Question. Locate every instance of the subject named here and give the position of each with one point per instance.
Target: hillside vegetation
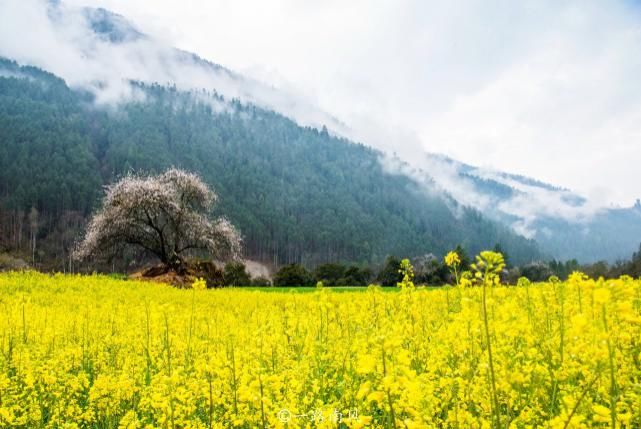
(297, 194)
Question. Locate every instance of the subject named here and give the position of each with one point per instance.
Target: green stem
(389, 395)
(613, 385)
(211, 401)
(578, 402)
(495, 400)
(147, 348)
(262, 405)
(167, 345)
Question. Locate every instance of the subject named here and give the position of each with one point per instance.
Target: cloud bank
(60, 39)
(543, 88)
(517, 201)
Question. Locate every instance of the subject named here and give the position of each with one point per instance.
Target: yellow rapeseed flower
(199, 284)
(93, 351)
(601, 296)
(452, 259)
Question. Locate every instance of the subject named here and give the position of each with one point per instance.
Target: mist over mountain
(297, 194)
(101, 52)
(104, 99)
(565, 224)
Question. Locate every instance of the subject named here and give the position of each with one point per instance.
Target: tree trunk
(177, 264)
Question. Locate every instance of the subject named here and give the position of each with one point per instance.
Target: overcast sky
(550, 90)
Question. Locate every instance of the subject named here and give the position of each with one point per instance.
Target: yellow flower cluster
(407, 271)
(96, 352)
(199, 284)
(452, 259)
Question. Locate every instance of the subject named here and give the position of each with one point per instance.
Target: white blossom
(167, 215)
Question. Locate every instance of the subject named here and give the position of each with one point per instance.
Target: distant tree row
(540, 271)
(428, 270)
(433, 271)
(332, 274)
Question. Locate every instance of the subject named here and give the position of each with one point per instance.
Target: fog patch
(528, 202)
(8, 74)
(97, 51)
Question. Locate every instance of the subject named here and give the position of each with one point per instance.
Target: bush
(512, 276)
(428, 270)
(261, 282)
(330, 274)
(597, 269)
(355, 276)
(214, 276)
(536, 271)
(390, 275)
(293, 275)
(236, 274)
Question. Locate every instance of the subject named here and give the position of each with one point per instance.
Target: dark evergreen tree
(236, 274)
(330, 274)
(464, 257)
(506, 257)
(390, 274)
(293, 275)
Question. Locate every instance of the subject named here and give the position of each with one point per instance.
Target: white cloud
(527, 204)
(59, 40)
(541, 88)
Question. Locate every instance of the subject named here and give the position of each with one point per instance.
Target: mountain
(119, 100)
(112, 27)
(99, 51)
(297, 193)
(565, 224)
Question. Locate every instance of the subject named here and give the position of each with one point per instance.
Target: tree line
(430, 270)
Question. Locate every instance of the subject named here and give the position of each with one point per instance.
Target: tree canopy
(166, 215)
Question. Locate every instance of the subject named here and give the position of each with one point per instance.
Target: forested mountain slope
(565, 224)
(297, 194)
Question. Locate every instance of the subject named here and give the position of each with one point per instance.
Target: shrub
(536, 271)
(293, 275)
(428, 270)
(214, 276)
(261, 282)
(330, 274)
(389, 275)
(355, 276)
(236, 274)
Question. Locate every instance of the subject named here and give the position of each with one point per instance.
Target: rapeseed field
(96, 352)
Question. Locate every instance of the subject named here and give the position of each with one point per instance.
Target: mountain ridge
(568, 227)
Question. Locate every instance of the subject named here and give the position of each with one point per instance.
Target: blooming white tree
(167, 215)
